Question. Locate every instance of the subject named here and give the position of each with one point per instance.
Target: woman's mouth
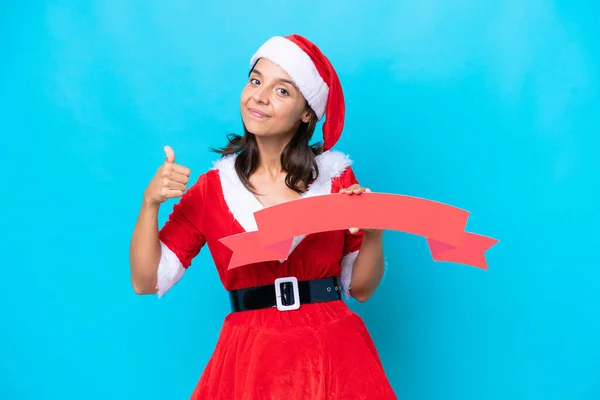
(257, 113)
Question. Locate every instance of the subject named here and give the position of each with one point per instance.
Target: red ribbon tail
(470, 252)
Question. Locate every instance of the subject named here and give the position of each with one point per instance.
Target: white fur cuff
(170, 270)
(346, 275)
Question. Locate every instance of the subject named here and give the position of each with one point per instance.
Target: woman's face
(271, 104)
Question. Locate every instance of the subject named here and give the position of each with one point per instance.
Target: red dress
(321, 350)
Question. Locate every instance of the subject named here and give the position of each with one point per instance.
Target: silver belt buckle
(281, 299)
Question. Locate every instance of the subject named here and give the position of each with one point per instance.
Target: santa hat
(314, 75)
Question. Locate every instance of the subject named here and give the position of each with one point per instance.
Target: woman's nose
(261, 95)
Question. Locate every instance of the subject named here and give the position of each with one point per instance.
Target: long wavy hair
(298, 158)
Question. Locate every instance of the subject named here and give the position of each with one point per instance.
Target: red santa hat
(314, 75)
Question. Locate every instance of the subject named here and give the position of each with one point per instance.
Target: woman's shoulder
(334, 164)
(336, 167)
(222, 169)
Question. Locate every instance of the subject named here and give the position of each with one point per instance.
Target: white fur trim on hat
(299, 66)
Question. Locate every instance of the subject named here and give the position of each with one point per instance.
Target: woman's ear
(306, 115)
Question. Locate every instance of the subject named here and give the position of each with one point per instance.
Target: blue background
(491, 106)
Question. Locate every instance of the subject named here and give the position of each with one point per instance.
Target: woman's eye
(254, 81)
(283, 91)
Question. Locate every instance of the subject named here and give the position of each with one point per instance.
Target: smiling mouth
(257, 114)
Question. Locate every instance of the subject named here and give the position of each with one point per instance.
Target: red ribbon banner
(442, 225)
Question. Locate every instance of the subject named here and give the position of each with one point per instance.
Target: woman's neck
(269, 150)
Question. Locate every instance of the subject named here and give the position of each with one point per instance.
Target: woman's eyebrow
(257, 72)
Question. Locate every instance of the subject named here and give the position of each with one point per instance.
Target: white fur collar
(243, 204)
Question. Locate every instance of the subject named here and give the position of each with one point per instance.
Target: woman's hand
(357, 189)
(168, 182)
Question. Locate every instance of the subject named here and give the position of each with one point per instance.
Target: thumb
(170, 154)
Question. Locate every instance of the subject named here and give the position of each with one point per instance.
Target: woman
(320, 349)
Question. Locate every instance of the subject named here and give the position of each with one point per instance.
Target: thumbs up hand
(169, 181)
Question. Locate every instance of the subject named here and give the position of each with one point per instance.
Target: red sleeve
(351, 242)
(181, 232)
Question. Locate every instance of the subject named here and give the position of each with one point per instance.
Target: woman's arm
(169, 182)
(368, 267)
(144, 250)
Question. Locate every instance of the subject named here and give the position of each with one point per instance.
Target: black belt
(286, 294)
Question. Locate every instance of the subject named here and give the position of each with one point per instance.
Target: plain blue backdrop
(490, 106)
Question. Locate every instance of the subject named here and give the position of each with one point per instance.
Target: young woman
(320, 349)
